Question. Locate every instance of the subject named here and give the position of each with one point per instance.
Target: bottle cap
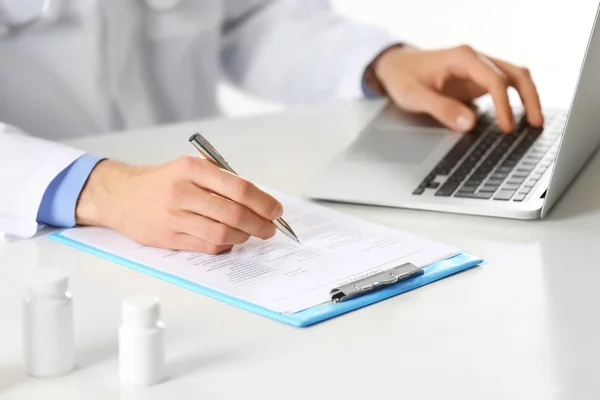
(48, 282)
(143, 311)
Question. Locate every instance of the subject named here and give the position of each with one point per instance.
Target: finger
(472, 65)
(521, 79)
(237, 189)
(448, 111)
(185, 242)
(464, 90)
(235, 215)
(210, 231)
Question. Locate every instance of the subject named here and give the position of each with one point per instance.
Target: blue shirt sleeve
(366, 91)
(60, 199)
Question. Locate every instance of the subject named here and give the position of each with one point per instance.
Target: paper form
(279, 274)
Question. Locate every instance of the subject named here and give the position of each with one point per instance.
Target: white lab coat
(105, 65)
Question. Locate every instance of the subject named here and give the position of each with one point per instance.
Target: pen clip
(374, 282)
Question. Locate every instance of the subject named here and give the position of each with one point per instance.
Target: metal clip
(374, 282)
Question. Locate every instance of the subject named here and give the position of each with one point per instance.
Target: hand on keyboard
(485, 164)
(441, 82)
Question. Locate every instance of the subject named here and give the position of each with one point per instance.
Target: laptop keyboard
(489, 164)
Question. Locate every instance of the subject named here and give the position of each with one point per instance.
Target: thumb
(447, 110)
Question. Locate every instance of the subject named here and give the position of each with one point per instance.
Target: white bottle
(48, 324)
(141, 341)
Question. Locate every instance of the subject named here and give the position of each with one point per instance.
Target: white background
(549, 37)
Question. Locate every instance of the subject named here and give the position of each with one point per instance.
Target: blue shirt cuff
(366, 91)
(60, 199)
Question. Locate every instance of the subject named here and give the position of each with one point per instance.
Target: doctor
(82, 67)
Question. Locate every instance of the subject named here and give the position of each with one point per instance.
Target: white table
(524, 325)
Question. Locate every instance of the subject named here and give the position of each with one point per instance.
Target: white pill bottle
(48, 344)
(141, 341)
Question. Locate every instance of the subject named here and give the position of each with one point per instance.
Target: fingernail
(277, 211)
(541, 124)
(464, 122)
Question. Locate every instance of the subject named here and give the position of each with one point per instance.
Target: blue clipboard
(306, 317)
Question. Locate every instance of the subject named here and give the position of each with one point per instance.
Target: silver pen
(212, 155)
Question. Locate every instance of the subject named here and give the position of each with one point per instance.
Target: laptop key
(535, 131)
(477, 178)
(480, 195)
(520, 197)
(510, 186)
(522, 124)
(519, 176)
(468, 188)
(474, 180)
(504, 168)
(536, 153)
(502, 146)
(500, 174)
(504, 195)
(508, 164)
(514, 157)
(524, 169)
(488, 188)
(433, 185)
(541, 146)
(533, 159)
(448, 188)
(496, 182)
(418, 191)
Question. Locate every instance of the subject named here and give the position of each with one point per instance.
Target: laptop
(410, 161)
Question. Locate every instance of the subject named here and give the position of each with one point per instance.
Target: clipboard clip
(374, 282)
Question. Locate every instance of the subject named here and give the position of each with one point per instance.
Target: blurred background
(548, 36)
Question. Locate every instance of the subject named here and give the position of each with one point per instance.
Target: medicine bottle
(141, 341)
(48, 345)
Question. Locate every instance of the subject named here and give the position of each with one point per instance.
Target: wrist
(371, 77)
(97, 200)
(386, 63)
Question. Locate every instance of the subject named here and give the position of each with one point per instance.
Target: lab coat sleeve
(297, 52)
(27, 167)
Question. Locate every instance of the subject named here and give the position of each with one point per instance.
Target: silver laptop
(409, 161)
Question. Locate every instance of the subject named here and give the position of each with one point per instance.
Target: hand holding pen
(185, 204)
(211, 154)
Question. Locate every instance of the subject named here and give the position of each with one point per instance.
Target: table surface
(522, 325)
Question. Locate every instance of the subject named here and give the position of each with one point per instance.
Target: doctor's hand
(186, 204)
(443, 82)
